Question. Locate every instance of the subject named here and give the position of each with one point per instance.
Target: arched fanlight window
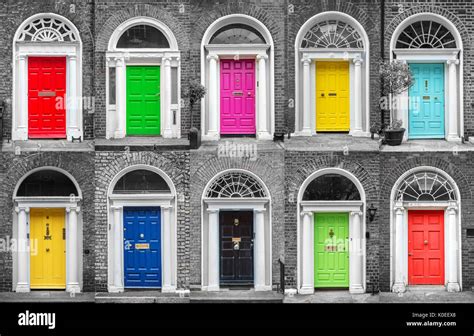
(143, 36)
(141, 181)
(426, 35)
(331, 187)
(237, 34)
(332, 34)
(236, 185)
(47, 183)
(426, 186)
(47, 29)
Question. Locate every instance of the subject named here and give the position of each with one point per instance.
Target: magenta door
(237, 97)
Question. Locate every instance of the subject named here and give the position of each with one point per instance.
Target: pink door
(238, 97)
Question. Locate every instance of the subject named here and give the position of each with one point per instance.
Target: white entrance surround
(453, 74)
(261, 206)
(115, 248)
(167, 58)
(305, 234)
(60, 38)
(21, 232)
(399, 233)
(210, 76)
(305, 77)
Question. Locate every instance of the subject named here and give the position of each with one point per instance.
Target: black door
(236, 247)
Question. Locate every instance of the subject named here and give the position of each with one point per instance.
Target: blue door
(142, 247)
(426, 111)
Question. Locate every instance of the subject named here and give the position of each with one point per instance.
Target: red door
(238, 97)
(46, 97)
(426, 247)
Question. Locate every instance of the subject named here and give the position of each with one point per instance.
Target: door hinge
(64, 233)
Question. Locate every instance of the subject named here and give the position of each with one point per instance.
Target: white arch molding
(21, 232)
(399, 237)
(262, 208)
(169, 59)
(167, 202)
(57, 40)
(210, 76)
(453, 74)
(305, 76)
(305, 233)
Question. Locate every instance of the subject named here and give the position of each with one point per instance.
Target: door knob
(322, 94)
(426, 242)
(410, 254)
(47, 250)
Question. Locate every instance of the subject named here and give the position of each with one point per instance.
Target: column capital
(358, 61)
(452, 208)
(212, 57)
(356, 213)
(399, 207)
(119, 61)
(21, 57)
(306, 61)
(116, 208)
(452, 62)
(167, 207)
(262, 57)
(259, 210)
(73, 57)
(167, 59)
(306, 213)
(18, 209)
(212, 211)
(72, 209)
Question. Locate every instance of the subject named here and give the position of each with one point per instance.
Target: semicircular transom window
(236, 185)
(143, 36)
(47, 183)
(141, 181)
(331, 187)
(332, 34)
(426, 187)
(426, 35)
(237, 34)
(47, 29)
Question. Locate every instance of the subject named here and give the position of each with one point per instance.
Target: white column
(168, 286)
(72, 110)
(262, 98)
(166, 98)
(117, 267)
(22, 110)
(453, 130)
(306, 97)
(23, 284)
(399, 285)
(213, 110)
(72, 252)
(307, 255)
(453, 251)
(357, 131)
(213, 243)
(121, 98)
(259, 250)
(355, 254)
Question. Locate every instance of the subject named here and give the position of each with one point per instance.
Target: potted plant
(196, 91)
(396, 78)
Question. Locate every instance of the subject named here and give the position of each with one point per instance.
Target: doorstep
(135, 144)
(46, 296)
(429, 146)
(236, 296)
(332, 296)
(141, 297)
(327, 142)
(37, 146)
(427, 294)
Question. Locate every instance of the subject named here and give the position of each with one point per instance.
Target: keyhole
(426, 84)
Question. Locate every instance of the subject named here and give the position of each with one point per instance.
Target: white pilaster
(262, 98)
(117, 267)
(23, 284)
(213, 110)
(355, 253)
(357, 131)
(452, 255)
(453, 128)
(307, 255)
(306, 130)
(72, 252)
(213, 243)
(167, 286)
(166, 98)
(22, 127)
(259, 250)
(71, 103)
(399, 285)
(121, 98)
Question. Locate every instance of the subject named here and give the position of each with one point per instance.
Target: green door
(143, 100)
(331, 250)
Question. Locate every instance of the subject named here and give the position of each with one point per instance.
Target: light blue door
(426, 107)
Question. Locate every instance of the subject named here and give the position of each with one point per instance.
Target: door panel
(46, 85)
(48, 264)
(237, 97)
(426, 108)
(142, 247)
(331, 251)
(332, 97)
(236, 247)
(426, 247)
(143, 100)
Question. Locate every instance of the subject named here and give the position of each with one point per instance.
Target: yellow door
(48, 262)
(332, 97)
